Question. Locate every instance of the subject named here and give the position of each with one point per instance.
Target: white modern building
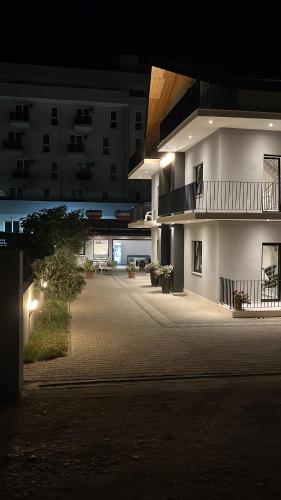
(215, 172)
(67, 134)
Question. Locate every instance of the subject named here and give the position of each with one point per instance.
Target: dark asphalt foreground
(197, 439)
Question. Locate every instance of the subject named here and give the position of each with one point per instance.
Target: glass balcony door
(270, 271)
(271, 178)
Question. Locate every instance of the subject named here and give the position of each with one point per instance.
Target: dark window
(138, 143)
(199, 185)
(8, 227)
(54, 116)
(113, 119)
(16, 226)
(138, 123)
(137, 93)
(46, 193)
(54, 166)
(73, 194)
(197, 257)
(113, 169)
(105, 195)
(105, 146)
(137, 196)
(113, 173)
(46, 143)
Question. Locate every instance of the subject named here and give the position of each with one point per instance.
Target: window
(113, 119)
(23, 166)
(76, 143)
(138, 123)
(105, 195)
(46, 193)
(113, 173)
(54, 116)
(55, 170)
(15, 138)
(83, 166)
(137, 196)
(76, 195)
(15, 193)
(12, 226)
(197, 257)
(46, 143)
(198, 174)
(83, 116)
(105, 146)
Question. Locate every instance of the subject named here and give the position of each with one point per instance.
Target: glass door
(271, 184)
(270, 271)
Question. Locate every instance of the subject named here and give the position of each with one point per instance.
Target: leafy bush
(61, 274)
(88, 265)
(49, 339)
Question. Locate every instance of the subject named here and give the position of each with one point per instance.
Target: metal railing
(83, 120)
(13, 145)
(263, 293)
(75, 148)
(19, 117)
(222, 196)
(83, 176)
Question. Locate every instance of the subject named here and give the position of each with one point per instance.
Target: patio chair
(273, 277)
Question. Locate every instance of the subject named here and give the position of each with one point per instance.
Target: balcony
(19, 119)
(82, 122)
(76, 148)
(263, 294)
(136, 158)
(83, 176)
(21, 174)
(12, 145)
(141, 216)
(221, 199)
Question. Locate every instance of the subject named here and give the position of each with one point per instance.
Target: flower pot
(131, 275)
(237, 304)
(88, 274)
(166, 283)
(154, 279)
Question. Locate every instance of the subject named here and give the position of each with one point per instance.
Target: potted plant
(151, 268)
(131, 268)
(88, 268)
(239, 298)
(166, 275)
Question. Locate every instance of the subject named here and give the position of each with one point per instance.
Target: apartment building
(213, 158)
(67, 134)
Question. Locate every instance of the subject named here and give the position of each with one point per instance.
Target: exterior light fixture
(270, 124)
(210, 122)
(167, 159)
(267, 220)
(44, 284)
(190, 137)
(33, 304)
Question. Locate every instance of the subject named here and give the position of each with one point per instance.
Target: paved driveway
(123, 328)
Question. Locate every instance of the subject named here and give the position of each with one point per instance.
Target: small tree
(60, 275)
(50, 229)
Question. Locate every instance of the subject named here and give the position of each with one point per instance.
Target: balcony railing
(12, 145)
(75, 148)
(141, 212)
(21, 174)
(84, 176)
(222, 196)
(15, 116)
(84, 121)
(263, 293)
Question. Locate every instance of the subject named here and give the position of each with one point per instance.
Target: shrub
(88, 265)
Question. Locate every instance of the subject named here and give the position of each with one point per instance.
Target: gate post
(11, 334)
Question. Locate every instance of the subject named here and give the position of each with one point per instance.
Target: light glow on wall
(167, 159)
(44, 284)
(33, 304)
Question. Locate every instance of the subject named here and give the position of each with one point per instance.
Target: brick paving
(123, 328)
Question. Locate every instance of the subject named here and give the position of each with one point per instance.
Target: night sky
(202, 39)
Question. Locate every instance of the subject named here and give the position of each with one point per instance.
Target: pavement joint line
(109, 381)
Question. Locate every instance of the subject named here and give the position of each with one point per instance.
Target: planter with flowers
(88, 268)
(131, 268)
(166, 276)
(239, 298)
(152, 269)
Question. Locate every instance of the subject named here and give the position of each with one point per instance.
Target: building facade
(216, 207)
(67, 134)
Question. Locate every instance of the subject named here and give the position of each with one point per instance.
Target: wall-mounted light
(210, 122)
(167, 159)
(190, 137)
(270, 124)
(33, 304)
(44, 284)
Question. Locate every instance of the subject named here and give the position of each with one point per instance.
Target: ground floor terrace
(123, 328)
(213, 258)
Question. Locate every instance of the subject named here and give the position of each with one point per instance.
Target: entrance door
(270, 271)
(271, 183)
